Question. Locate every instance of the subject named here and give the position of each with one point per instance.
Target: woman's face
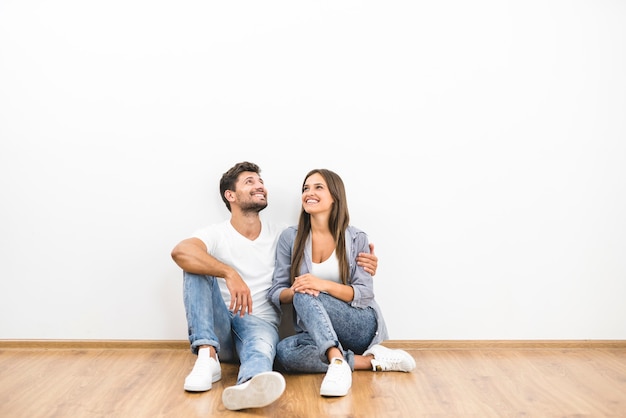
(316, 197)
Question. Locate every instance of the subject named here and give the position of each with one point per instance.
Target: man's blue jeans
(249, 340)
(329, 322)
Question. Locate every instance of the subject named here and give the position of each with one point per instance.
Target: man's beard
(254, 207)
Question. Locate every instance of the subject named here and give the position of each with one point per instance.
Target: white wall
(483, 145)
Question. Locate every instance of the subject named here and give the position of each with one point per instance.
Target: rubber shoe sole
(260, 391)
(191, 387)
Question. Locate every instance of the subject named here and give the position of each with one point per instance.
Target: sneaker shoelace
(336, 372)
(382, 364)
(202, 367)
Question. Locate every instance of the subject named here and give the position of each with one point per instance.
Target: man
(227, 271)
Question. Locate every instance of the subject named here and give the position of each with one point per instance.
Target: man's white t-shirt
(253, 259)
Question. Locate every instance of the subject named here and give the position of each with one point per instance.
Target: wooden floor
(456, 381)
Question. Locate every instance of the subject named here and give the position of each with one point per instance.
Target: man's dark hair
(229, 178)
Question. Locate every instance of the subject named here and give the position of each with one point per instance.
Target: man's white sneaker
(338, 379)
(388, 360)
(260, 391)
(205, 372)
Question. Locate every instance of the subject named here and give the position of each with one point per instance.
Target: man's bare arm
(191, 255)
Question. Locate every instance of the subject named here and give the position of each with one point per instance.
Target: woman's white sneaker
(338, 379)
(388, 360)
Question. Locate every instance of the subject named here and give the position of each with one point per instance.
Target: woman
(339, 324)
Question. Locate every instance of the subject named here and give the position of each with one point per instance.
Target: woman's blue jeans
(249, 340)
(327, 322)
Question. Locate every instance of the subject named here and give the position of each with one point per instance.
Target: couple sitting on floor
(238, 273)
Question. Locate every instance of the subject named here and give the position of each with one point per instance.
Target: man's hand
(369, 262)
(240, 297)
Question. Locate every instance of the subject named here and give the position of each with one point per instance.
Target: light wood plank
(474, 382)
